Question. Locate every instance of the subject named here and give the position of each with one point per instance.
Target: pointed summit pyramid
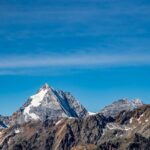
(51, 103)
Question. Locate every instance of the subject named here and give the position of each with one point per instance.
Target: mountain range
(54, 120)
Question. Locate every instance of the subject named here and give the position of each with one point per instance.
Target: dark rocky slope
(91, 132)
(56, 135)
(130, 130)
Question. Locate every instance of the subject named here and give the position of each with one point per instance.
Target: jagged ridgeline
(55, 120)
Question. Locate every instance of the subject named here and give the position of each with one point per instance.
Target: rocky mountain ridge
(91, 133)
(54, 120)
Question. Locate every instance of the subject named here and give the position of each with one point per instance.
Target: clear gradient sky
(99, 50)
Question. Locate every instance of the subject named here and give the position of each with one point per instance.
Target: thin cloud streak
(70, 60)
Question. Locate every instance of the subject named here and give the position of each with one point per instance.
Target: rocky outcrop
(136, 142)
(139, 142)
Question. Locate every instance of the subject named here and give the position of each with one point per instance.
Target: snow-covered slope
(51, 103)
(120, 105)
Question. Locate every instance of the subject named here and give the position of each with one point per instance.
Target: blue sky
(99, 50)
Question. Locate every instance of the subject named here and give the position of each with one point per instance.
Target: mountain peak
(51, 103)
(45, 86)
(120, 105)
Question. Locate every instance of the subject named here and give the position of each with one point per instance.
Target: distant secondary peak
(127, 101)
(137, 101)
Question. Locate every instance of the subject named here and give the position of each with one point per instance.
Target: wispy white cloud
(71, 60)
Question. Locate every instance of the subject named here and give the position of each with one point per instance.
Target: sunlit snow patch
(91, 113)
(35, 102)
(17, 131)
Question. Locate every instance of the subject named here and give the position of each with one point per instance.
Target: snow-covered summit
(120, 105)
(51, 103)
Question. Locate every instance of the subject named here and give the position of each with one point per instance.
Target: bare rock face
(120, 105)
(137, 116)
(139, 142)
(64, 134)
(130, 130)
